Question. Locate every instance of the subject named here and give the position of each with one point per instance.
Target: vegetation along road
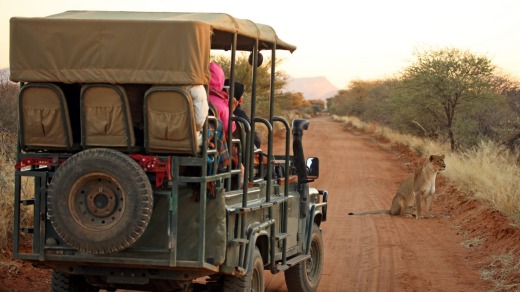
(383, 252)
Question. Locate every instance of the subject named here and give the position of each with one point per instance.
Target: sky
(340, 40)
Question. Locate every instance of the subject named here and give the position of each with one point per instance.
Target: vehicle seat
(212, 110)
(44, 118)
(106, 120)
(169, 121)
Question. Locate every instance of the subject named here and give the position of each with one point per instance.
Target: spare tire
(100, 201)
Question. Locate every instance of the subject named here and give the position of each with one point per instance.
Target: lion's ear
(442, 156)
(431, 157)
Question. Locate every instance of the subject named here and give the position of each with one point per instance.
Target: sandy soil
(378, 252)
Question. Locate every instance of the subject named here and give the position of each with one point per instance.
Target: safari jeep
(121, 194)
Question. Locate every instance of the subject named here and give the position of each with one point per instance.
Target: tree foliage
(510, 124)
(317, 106)
(449, 95)
(368, 100)
(444, 85)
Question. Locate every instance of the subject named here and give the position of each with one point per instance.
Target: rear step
(294, 261)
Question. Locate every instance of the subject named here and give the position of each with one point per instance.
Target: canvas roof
(128, 47)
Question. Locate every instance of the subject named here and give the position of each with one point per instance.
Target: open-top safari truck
(108, 142)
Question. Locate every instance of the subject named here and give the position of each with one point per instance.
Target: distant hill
(312, 87)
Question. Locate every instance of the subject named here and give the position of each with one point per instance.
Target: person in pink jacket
(218, 97)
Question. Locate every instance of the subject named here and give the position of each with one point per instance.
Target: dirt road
(378, 252)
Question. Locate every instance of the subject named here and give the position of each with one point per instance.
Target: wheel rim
(97, 201)
(312, 264)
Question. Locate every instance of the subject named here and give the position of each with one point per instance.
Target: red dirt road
(377, 252)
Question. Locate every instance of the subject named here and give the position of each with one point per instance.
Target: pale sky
(341, 40)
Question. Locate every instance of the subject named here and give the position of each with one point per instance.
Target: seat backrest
(106, 120)
(169, 121)
(44, 118)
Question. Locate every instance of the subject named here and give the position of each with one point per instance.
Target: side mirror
(260, 59)
(313, 167)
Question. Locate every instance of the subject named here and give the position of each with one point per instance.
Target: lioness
(419, 185)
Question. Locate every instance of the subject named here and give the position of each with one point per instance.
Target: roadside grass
(472, 242)
(6, 194)
(489, 173)
(503, 272)
(7, 162)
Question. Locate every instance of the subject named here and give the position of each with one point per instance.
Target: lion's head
(437, 162)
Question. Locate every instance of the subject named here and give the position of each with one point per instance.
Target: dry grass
(472, 242)
(7, 162)
(419, 145)
(503, 271)
(490, 173)
(352, 121)
(6, 189)
(6, 196)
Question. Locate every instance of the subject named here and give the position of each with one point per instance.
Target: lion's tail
(370, 212)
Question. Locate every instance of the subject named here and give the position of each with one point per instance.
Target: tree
(317, 106)
(368, 100)
(338, 104)
(244, 75)
(443, 83)
(511, 124)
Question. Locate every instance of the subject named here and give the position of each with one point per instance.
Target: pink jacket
(218, 97)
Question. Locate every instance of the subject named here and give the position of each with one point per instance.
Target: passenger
(238, 111)
(218, 97)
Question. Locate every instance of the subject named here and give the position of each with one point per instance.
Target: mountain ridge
(318, 87)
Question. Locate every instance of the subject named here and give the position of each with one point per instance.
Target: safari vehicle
(116, 206)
